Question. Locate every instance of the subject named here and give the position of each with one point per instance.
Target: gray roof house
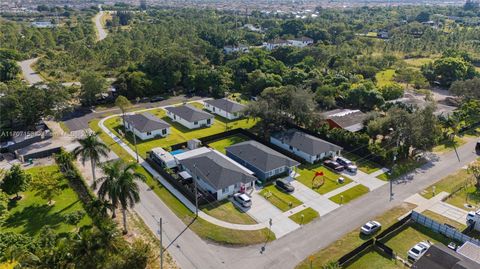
(308, 147)
(225, 108)
(218, 174)
(350, 120)
(262, 160)
(189, 116)
(146, 125)
(441, 257)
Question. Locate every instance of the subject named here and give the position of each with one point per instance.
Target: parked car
(347, 164)
(418, 250)
(284, 185)
(333, 165)
(370, 227)
(157, 99)
(144, 100)
(243, 199)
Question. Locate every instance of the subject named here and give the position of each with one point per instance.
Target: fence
(443, 229)
(352, 255)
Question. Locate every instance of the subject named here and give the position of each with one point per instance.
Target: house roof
(305, 142)
(277, 41)
(146, 122)
(351, 120)
(217, 170)
(441, 257)
(189, 113)
(260, 156)
(226, 105)
(303, 38)
(470, 251)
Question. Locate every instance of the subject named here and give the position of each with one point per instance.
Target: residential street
(102, 33)
(192, 252)
(29, 74)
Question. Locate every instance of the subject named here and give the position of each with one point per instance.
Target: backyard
(352, 240)
(322, 184)
(220, 145)
(375, 260)
(30, 214)
(178, 133)
(350, 194)
(281, 200)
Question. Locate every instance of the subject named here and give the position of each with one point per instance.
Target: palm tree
(119, 184)
(91, 148)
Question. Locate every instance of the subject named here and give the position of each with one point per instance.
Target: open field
(350, 194)
(178, 133)
(227, 211)
(203, 228)
(30, 214)
(352, 240)
(308, 215)
(418, 62)
(385, 77)
(281, 200)
(329, 180)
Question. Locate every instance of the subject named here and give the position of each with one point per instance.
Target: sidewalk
(368, 180)
(436, 205)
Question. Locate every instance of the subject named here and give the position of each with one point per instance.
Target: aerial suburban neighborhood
(240, 134)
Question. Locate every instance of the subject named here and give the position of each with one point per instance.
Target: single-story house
(301, 42)
(441, 257)
(262, 160)
(273, 44)
(305, 146)
(225, 108)
(217, 174)
(146, 126)
(190, 116)
(348, 119)
(228, 49)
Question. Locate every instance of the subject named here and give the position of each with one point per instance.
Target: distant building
(301, 42)
(225, 108)
(253, 28)
(42, 24)
(276, 43)
(347, 119)
(215, 173)
(146, 126)
(190, 116)
(305, 146)
(264, 161)
(231, 49)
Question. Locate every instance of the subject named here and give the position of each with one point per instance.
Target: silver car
(243, 199)
(370, 227)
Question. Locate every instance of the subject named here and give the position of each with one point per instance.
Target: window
(149, 133)
(195, 123)
(225, 190)
(208, 121)
(291, 148)
(164, 131)
(214, 109)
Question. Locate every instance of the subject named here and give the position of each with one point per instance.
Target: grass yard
(350, 194)
(375, 260)
(411, 235)
(363, 165)
(203, 228)
(329, 180)
(401, 169)
(444, 220)
(220, 145)
(308, 213)
(385, 77)
(178, 133)
(30, 214)
(352, 240)
(449, 145)
(226, 211)
(418, 62)
(281, 200)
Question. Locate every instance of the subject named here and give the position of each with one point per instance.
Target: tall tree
(91, 148)
(123, 103)
(15, 181)
(119, 184)
(474, 169)
(92, 85)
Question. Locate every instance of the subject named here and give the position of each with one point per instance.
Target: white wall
(146, 136)
(189, 125)
(307, 157)
(222, 112)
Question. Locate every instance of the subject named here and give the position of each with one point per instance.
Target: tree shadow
(33, 218)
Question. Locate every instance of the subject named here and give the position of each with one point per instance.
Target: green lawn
(363, 165)
(178, 133)
(375, 260)
(220, 145)
(280, 199)
(201, 227)
(30, 214)
(352, 240)
(418, 62)
(449, 145)
(350, 194)
(411, 235)
(385, 77)
(441, 219)
(226, 211)
(308, 213)
(401, 169)
(329, 180)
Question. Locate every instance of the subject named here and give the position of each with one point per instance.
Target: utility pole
(161, 243)
(196, 190)
(135, 143)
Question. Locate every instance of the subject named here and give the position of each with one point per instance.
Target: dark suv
(334, 165)
(284, 185)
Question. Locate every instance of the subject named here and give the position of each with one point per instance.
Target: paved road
(192, 252)
(102, 33)
(29, 74)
